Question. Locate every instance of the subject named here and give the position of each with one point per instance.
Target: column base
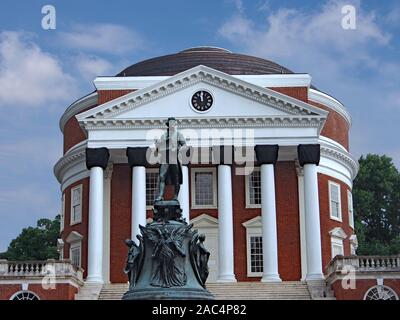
(271, 278)
(94, 279)
(315, 276)
(227, 278)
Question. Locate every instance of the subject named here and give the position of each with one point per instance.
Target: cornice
(76, 107)
(192, 76)
(70, 158)
(213, 122)
(330, 102)
(342, 156)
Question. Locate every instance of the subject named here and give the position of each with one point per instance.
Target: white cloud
(352, 65)
(89, 66)
(29, 76)
(105, 38)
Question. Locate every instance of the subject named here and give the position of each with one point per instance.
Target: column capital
(309, 154)
(266, 153)
(137, 156)
(223, 154)
(97, 157)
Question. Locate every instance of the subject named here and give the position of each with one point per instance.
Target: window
(350, 208)
(204, 185)
(337, 247)
(76, 204)
(253, 189)
(24, 295)
(334, 201)
(75, 254)
(337, 236)
(381, 293)
(62, 215)
(151, 186)
(256, 254)
(254, 247)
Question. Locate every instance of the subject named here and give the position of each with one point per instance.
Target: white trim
(193, 172)
(24, 291)
(382, 286)
(263, 80)
(73, 246)
(62, 215)
(253, 229)
(350, 209)
(303, 243)
(150, 170)
(332, 217)
(353, 244)
(328, 101)
(204, 221)
(247, 190)
(72, 219)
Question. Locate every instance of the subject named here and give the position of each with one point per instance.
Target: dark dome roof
(216, 58)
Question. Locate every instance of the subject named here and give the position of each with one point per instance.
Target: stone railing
(39, 269)
(364, 264)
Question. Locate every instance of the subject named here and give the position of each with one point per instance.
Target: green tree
(35, 243)
(376, 195)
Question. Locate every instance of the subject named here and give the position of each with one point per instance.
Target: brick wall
(327, 224)
(61, 292)
(362, 286)
(82, 227)
(120, 224)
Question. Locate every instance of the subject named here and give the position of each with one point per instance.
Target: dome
(213, 57)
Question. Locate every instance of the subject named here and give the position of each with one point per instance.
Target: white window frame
(336, 242)
(350, 208)
(76, 245)
(62, 216)
(150, 170)
(193, 187)
(72, 220)
(253, 229)
(247, 190)
(331, 183)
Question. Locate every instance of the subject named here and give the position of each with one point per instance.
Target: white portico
(243, 113)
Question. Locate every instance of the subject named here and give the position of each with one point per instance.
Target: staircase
(288, 290)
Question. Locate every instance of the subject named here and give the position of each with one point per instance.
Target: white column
(312, 223)
(225, 224)
(269, 233)
(183, 196)
(95, 238)
(303, 246)
(138, 200)
(106, 223)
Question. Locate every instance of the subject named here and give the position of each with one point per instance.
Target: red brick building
(284, 221)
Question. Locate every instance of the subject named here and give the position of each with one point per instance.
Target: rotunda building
(282, 214)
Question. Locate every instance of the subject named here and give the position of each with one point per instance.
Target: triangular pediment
(234, 99)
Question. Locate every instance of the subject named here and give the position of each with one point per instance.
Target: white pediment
(204, 221)
(338, 232)
(234, 99)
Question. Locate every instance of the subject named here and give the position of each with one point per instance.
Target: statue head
(171, 123)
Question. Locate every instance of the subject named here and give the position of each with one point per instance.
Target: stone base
(166, 210)
(168, 294)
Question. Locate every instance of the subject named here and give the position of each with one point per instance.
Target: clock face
(202, 100)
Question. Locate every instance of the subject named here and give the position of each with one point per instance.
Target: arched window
(24, 295)
(381, 293)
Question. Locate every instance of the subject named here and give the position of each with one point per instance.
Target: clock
(202, 101)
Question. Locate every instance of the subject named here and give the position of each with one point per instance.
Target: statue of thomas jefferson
(168, 147)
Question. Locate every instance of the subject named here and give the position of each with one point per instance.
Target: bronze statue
(134, 260)
(199, 256)
(168, 147)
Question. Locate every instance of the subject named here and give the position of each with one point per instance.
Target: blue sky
(43, 71)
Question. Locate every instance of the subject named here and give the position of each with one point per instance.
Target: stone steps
(290, 290)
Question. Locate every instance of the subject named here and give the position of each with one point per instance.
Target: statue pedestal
(170, 261)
